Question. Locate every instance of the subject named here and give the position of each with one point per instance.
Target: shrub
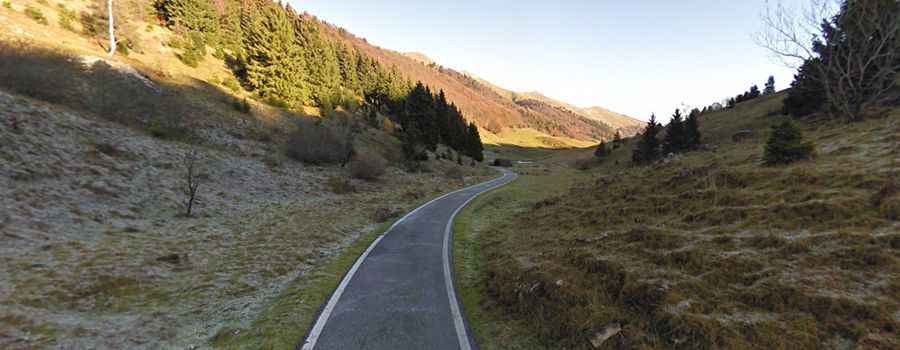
(584, 164)
(455, 173)
(242, 106)
(7, 5)
(232, 84)
(66, 18)
(383, 214)
(340, 185)
(890, 208)
(35, 14)
(316, 144)
(502, 162)
(367, 166)
(786, 145)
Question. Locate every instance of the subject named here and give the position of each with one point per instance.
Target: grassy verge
(284, 324)
(491, 328)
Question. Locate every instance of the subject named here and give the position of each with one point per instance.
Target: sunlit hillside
(709, 249)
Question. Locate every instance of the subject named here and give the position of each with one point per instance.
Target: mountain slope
(626, 125)
(494, 109)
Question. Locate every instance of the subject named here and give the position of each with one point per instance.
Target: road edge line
(309, 342)
(459, 322)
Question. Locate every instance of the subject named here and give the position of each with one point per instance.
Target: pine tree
(648, 146)
(692, 137)
(602, 151)
(476, 148)
(319, 57)
(786, 145)
(274, 68)
(770, 86)
(674, 140)
(753, 93)
(806, 95)
(617, 140)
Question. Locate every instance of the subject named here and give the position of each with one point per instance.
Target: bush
(455, 173)
(7, 5)
(316, 144)
(786, 145)
(340, 185)
(35, 14)
(367, 166)
(502, 163)
(584, 164)
(66, 18)
(242, 106)
(232, 84)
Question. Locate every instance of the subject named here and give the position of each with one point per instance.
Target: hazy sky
(635, 57)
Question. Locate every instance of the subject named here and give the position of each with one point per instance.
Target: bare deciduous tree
(857, 41)
(191, 180)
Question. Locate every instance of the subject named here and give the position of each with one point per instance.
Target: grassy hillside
(95, 249)
(706, 250)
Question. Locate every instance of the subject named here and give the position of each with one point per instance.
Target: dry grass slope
(711, 250)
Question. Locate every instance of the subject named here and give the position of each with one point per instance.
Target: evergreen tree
(806, 95)
(786, 145)
(753, 93)
(770, 86)
(273, 65)
(648, 146)
(674, 140)
(602, 151)
(319, 57)
(349, 62)
(476, 148)
(617, 140)
(692, 138)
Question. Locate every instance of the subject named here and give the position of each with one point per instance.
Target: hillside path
(400, 294)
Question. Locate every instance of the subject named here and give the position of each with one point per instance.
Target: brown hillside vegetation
(96, 251)
(709, 250)
(492, 108)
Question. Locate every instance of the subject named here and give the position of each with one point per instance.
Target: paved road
(399, 294)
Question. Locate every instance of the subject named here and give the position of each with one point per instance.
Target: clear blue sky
(634, 57)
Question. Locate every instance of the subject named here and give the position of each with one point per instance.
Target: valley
(241, 174)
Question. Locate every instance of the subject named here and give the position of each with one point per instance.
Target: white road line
(316, 331)
(458, 323)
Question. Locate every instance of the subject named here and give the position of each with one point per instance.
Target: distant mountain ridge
(498, 112)
(626, 125)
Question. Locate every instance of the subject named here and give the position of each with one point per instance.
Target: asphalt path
(400, 293)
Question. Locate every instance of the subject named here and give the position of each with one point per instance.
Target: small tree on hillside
(674, 141)
(648, 146)
(770, 86)
(191, 183)
(692, 139)
(617, 140)
(786, 145)
(603, 150)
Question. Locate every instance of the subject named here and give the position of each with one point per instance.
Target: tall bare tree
(191, 179)
(857, 41)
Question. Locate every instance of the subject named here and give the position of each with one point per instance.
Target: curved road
(399, 294)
